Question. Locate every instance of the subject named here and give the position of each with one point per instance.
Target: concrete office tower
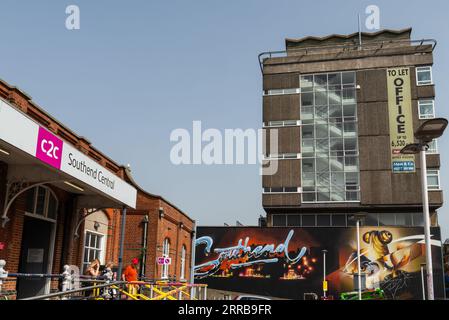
(344, 106)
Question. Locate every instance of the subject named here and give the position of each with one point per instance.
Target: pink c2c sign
(49, 148)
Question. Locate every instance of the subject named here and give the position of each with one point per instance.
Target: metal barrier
(105, 288)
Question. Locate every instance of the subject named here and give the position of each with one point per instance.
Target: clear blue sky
(138, 69)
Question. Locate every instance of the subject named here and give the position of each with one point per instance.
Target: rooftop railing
(374, 46)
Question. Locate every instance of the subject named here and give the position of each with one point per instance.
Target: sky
(136, 70)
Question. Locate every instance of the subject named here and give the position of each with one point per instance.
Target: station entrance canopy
(35, 156)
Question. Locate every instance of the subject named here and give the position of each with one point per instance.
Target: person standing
(130, 275)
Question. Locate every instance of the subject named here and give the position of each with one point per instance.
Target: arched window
(165, 253)
(183, 262)
(41, 201)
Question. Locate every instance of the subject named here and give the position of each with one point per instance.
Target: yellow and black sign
(401, 120)
(324, 285)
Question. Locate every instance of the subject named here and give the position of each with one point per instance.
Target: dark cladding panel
(373, 85)
(288, 174)
(373, 119)
(276, 200)
(281, 107)
(280, 81)
(374, 153)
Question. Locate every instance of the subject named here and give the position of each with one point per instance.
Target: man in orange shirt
(130, 275)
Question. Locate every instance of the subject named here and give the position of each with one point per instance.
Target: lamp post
(358, 217)
(422, 281)
(429, 130)
(324, 273)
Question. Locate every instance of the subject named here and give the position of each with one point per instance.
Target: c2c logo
(49, 148)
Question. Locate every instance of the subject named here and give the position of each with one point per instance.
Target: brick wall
(159, 228)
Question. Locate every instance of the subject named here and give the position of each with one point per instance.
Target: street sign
(324, 285)
(163, 260)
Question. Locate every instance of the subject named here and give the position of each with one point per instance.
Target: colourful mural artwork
(287, 262)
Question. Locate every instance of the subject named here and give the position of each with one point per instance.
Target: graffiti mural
(288, 262)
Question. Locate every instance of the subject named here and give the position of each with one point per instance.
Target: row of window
(339, 81)
(94, 249)
(282, 123)
(335, 186)
(281, 189)
(280, 156)
(344, 220)
(342, 113)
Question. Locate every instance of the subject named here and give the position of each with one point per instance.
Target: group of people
(96, 271)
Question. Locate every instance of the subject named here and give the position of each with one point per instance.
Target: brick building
(157, 221)
(61, 201)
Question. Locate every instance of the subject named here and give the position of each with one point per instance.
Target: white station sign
(23, 133)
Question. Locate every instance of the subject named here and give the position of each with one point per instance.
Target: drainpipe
(192, 261)
(122, 242)
(144, 246)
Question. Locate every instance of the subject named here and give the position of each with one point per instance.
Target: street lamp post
(429, 130)
(359, 217)
(324, 274)
(422, 281)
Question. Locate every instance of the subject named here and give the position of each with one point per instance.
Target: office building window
(433, 179)
(275, 92)
(308, 220)
(281, 190)
(426, 109)
(279, 220)
(329, 143)
(293, 220)
(282, 156)
(405, 219)
(423, 75)
(284, 123)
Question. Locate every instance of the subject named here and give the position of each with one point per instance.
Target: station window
(433, 179)
(424, 75)
(41, 201)
(183, 262)
(93, 248)
(426, 109)
(165, 253)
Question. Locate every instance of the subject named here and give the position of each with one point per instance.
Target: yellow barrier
(158, 291)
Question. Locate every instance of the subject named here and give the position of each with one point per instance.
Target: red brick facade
(172, 224)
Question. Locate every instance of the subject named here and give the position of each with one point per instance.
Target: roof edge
(293, 41)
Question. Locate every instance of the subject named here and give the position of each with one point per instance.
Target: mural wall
(288, 262)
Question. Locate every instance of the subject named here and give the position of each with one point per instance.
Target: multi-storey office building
(343, 110)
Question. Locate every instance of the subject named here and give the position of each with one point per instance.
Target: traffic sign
(163, 260)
